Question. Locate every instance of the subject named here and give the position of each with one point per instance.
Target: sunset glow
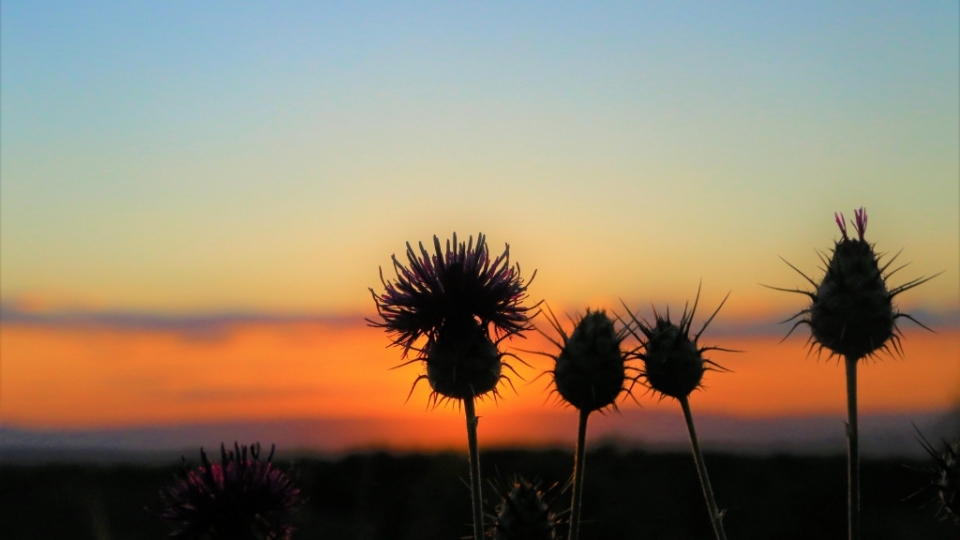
(96, 378)
(197, 201)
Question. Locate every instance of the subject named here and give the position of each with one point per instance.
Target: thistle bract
(590, 369)
(239, 498)
(463, 361)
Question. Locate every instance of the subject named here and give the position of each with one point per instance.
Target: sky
(195, 199)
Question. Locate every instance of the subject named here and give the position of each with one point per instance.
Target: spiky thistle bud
(673, 360)
(945, 479)
(525, 512)
(851, 312)
(590, 369)
(452, 299)
(237, 499)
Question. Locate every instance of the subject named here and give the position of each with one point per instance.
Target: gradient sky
(175, 159)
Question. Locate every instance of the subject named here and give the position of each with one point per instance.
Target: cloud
(218, 325)
(191, 325)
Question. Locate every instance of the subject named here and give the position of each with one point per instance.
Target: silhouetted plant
(945, 479)
(239, 498)
(589, 373)
(525, 512)
(451, 299)
(851, 314)
(673, 367)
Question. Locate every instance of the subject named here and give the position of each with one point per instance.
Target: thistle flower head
(945, 479)
(453, 299)
(239, 498)
(525, 512)
(673, 362)
(851, 312)
(590, 369)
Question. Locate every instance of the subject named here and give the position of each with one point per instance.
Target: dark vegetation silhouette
(630, 494)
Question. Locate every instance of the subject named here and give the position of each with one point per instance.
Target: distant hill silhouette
(885, 435)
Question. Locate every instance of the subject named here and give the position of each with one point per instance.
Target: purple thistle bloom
(239, 498)
(453, 298)
(454, 284)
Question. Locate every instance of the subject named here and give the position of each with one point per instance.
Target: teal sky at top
(241, 155)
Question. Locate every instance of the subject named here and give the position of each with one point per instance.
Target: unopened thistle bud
(851, 313)
(673, 361)
(525, 513)
(590, 368)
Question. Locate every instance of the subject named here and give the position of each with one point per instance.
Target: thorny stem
(853, 451)
(715, 516)
(472, 421)
(578, 463)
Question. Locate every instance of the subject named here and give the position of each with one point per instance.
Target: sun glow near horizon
(62, 378)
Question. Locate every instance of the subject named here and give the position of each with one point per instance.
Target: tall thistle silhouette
(449, 302)
(852, 315)
(589, 373)
(673, 366)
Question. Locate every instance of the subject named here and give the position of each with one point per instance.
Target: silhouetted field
(629, 494)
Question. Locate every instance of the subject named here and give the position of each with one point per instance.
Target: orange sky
(99, 377)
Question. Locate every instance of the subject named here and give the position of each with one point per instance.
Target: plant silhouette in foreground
(945, 479)
(239, 498)
(525, 512)
(851, 314)
(589, 373)
(673, 367)
(450, 300)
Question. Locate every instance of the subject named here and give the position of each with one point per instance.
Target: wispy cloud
(192, 325)
(218, 324)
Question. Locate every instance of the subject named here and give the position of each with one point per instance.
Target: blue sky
(181, 157)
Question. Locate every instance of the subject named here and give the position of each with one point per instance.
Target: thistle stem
(472, 421)
(578, 464)
(853, 451)
(715, 517)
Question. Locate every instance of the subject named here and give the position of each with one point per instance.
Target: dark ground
(627, 495)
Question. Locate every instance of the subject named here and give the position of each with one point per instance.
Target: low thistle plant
(673, 366)
(240, 498)
(590, 374)
(852, 315)
(453, 308)
(945, 479)
(525, 512)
